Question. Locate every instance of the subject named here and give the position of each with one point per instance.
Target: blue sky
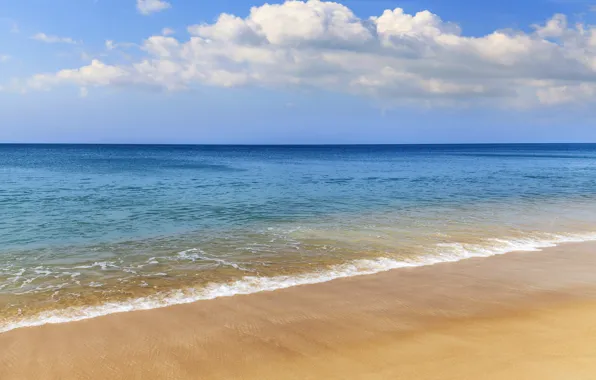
(176, 71)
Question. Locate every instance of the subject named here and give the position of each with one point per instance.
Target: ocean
(89, 230)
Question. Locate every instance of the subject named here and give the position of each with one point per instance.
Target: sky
(297, 72)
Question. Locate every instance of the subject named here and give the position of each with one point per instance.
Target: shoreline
(256, 284)
(524, 312)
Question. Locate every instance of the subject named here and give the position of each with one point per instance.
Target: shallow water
(88, 230)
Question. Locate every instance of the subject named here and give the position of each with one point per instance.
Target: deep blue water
(59, 194)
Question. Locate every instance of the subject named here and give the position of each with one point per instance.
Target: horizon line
(293, 145)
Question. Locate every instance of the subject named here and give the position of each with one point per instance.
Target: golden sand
(516, 316)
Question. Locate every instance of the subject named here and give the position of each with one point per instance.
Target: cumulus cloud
(95, 74)
(146, 7)
(53, 39)
(394, 58)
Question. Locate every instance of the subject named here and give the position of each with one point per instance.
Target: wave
(194, 254)
(442, 253)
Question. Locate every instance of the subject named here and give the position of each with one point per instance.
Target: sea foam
(443, 253)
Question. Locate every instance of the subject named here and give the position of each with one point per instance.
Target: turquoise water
(88, 230)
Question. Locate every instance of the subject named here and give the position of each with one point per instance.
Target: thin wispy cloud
(147, 7)
(111, 45)
(53, 39)
(8, 24)
(167, 31)
(4, 58)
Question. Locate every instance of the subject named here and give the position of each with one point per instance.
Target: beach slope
(515, 316)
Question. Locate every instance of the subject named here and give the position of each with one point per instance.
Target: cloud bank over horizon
(394, 58)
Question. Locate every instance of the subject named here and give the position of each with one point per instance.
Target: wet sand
(516, 316)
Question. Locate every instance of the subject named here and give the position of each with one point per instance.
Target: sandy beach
(523, 315)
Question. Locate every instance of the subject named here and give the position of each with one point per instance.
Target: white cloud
(555, 27)
(95, 74)
(565, 93)
(152, 6)
(53, 39)
(393, 58)
(4, 58)
(111, 45)
(83, 92)
(167, 32)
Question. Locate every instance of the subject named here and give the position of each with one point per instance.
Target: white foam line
(451, 252)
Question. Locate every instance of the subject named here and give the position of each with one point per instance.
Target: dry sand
(516, 316)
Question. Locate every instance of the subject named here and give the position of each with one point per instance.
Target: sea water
(88, 230)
